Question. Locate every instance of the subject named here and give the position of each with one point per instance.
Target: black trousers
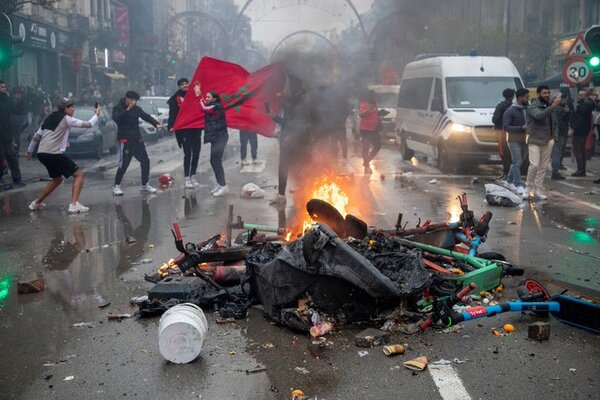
(245, 138)
(579, 152)
(369, 139)
(126, 152)
(217, 148)
(191, 143)
(7, 152)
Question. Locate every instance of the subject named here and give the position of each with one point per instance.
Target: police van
(445, 108)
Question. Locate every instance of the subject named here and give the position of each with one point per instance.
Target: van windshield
(484, 92)
(387, 99)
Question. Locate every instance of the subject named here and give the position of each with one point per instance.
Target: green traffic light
(594, 61)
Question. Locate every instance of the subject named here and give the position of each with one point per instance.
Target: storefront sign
(36, 34)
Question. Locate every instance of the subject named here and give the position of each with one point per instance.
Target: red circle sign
(576, 72)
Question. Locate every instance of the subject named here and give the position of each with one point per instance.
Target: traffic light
(6, 42)
(592, 38)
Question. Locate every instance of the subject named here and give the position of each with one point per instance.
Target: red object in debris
(165, 179)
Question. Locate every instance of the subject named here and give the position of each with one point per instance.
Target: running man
(53, 139)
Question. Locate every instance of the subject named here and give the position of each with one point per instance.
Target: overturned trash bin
(181, 333)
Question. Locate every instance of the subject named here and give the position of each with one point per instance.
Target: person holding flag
(189, 139)
(215, 133)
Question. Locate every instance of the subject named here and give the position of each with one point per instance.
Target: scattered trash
(508, 328)
(371, 337)
(138, 300)
(61, 361)
(441, 362)
(130, 239)
(69, 378)
(143, 261)
(268, 345)
(539, 331)
(321, 329)
(33, 286)
(363, 353)
(496, 332)
(104, 305)
(150, 246)
(416, 364)
(433, 181)
(474, 180)
(394, 349)
(83, 325)
(232, 353)
(118, 315)
(496, 195)
(256, 370)
(590, 231)
(181, 333)
(302, 370)
(572, 370)
(297, 395)
(252, 191)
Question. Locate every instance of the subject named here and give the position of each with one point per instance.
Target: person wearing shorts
(53, 139)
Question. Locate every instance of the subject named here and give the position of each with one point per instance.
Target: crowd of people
(538, 131)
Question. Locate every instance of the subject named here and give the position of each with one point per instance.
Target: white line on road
(448, 383)
(576, 200)
(571, 185)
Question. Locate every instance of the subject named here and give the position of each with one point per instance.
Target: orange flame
(331, 193)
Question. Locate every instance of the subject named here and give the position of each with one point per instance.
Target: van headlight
(455, 127)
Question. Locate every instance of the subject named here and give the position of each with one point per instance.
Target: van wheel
(445, 164)
(405, 152)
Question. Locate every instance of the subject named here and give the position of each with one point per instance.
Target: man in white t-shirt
(53, 139)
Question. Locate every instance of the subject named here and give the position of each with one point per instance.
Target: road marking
(574, 199)
(448, 383)
(571, 185)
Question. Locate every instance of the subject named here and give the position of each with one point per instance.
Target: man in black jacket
(188, 139)
(7, 150)
(127, 114)
(581, 124)
(503, 150)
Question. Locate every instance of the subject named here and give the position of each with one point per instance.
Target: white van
(445, 108)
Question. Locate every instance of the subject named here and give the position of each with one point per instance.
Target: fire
(168, 268)
(331, 193)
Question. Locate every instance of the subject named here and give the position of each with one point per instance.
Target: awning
(115, 75)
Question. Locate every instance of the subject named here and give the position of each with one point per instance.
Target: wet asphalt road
(86, 262)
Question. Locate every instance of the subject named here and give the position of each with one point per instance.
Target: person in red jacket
(369, 128)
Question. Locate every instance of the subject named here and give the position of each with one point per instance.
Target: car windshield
(484, 92)
(147, 105)
(84, 113)
(387, 99)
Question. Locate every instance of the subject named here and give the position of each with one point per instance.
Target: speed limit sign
(576, 71)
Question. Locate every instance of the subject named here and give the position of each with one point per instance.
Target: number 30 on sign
(576, 72)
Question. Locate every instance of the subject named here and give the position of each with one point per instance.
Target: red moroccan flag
(243, 95)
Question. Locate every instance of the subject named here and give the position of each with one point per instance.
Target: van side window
(414, 93)
(437, 101)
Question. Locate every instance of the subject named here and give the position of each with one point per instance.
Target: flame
(331, 193)
(167, 268)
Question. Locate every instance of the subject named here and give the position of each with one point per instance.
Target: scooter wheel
(492, 255)
(534, 287)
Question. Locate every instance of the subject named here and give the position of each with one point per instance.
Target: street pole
(508, 22)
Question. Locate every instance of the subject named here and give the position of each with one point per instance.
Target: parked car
(94, 141)
(159, 109)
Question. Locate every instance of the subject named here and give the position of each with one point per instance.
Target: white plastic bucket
(181, 333)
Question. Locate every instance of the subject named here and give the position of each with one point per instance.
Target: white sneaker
(520, 190)
(255, 162)
(526, 194)
(117, 190)
(539, 193)
(511, 186)
(147, 188)
(34, 206)
(213, 190)
(188, 183)
(244, 163)
(223, 190)
(194, 181)
(77, 208)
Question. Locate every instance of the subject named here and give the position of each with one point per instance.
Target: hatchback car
(94, 141)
